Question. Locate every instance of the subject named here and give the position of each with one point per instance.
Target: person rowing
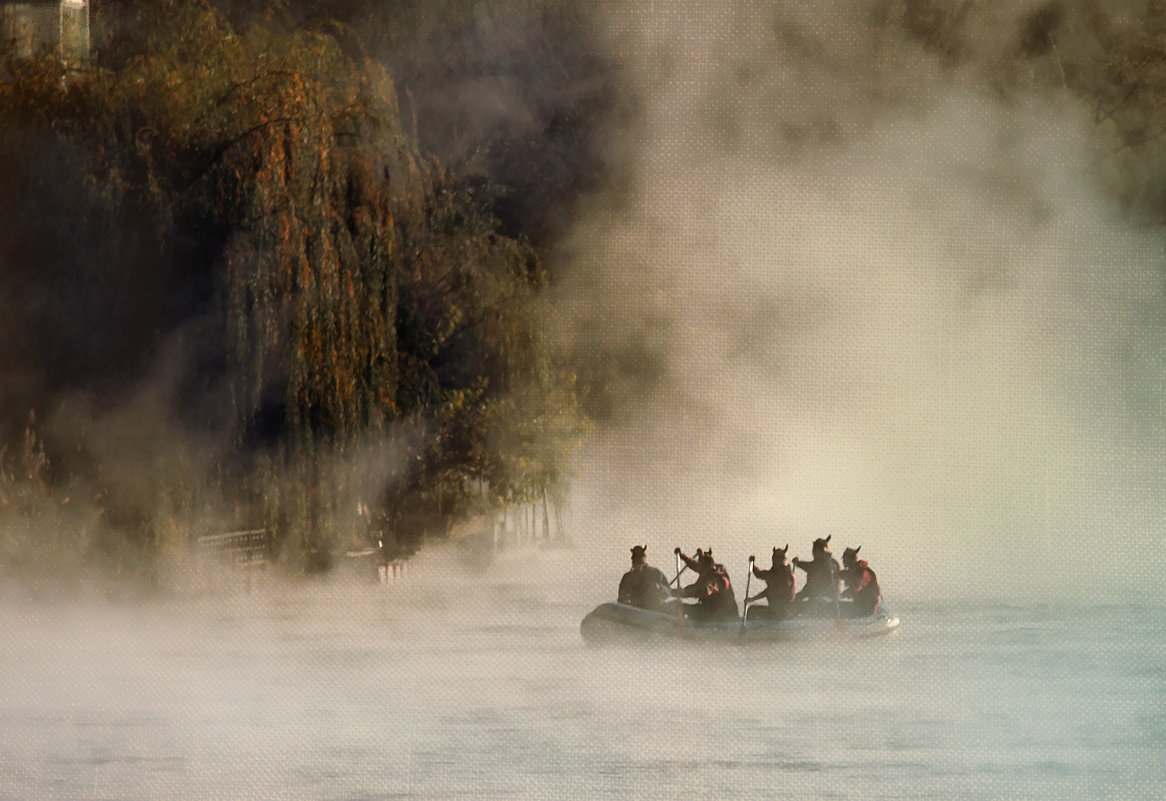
(780, 586)
(821, 575)
(712, 589)
(862, 585)
(643, 586)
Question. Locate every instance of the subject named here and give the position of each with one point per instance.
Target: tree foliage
(1110, 54)
(256, 186)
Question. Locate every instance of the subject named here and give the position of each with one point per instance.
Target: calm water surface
(482, 688)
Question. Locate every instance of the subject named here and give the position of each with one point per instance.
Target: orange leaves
(354, 299)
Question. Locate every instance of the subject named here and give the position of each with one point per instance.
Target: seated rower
(780, 586)
(862, 585)
(643, 586)
(821, 574)
(712, 589)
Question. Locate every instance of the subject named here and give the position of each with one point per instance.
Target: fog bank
(885, 305)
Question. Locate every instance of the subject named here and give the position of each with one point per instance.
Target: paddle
(839, 621)
(745, 602)
(679, 602)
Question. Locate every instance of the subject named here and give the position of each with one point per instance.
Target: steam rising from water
(917, 324)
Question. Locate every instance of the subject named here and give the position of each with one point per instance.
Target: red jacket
(713, 590)
(863, 586)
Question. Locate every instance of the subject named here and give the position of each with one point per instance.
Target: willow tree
(359, 290)
(363, 287)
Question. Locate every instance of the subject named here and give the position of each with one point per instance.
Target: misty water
(460, 683)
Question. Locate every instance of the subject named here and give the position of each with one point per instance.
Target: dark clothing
(713, 591)
(779, 581)
(644, 586)
(779, 593)
(862, 585)
(821, 578)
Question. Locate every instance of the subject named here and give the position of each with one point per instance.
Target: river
(450, 683)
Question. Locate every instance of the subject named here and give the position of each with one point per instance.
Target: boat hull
(620, 623)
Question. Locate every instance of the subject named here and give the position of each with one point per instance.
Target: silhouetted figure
(862, 585)
(712, 589)
(780, 586)
(643, 586)
(821, 574)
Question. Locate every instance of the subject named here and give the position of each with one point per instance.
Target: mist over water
(886, 306)
(458, 682)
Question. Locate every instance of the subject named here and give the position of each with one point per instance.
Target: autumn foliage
(252, 196)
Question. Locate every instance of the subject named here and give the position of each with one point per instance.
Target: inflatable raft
(620, 623)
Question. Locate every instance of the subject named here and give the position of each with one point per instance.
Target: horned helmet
(704, 559)
(850, 557)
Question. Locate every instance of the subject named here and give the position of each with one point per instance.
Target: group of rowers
(851, 590)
